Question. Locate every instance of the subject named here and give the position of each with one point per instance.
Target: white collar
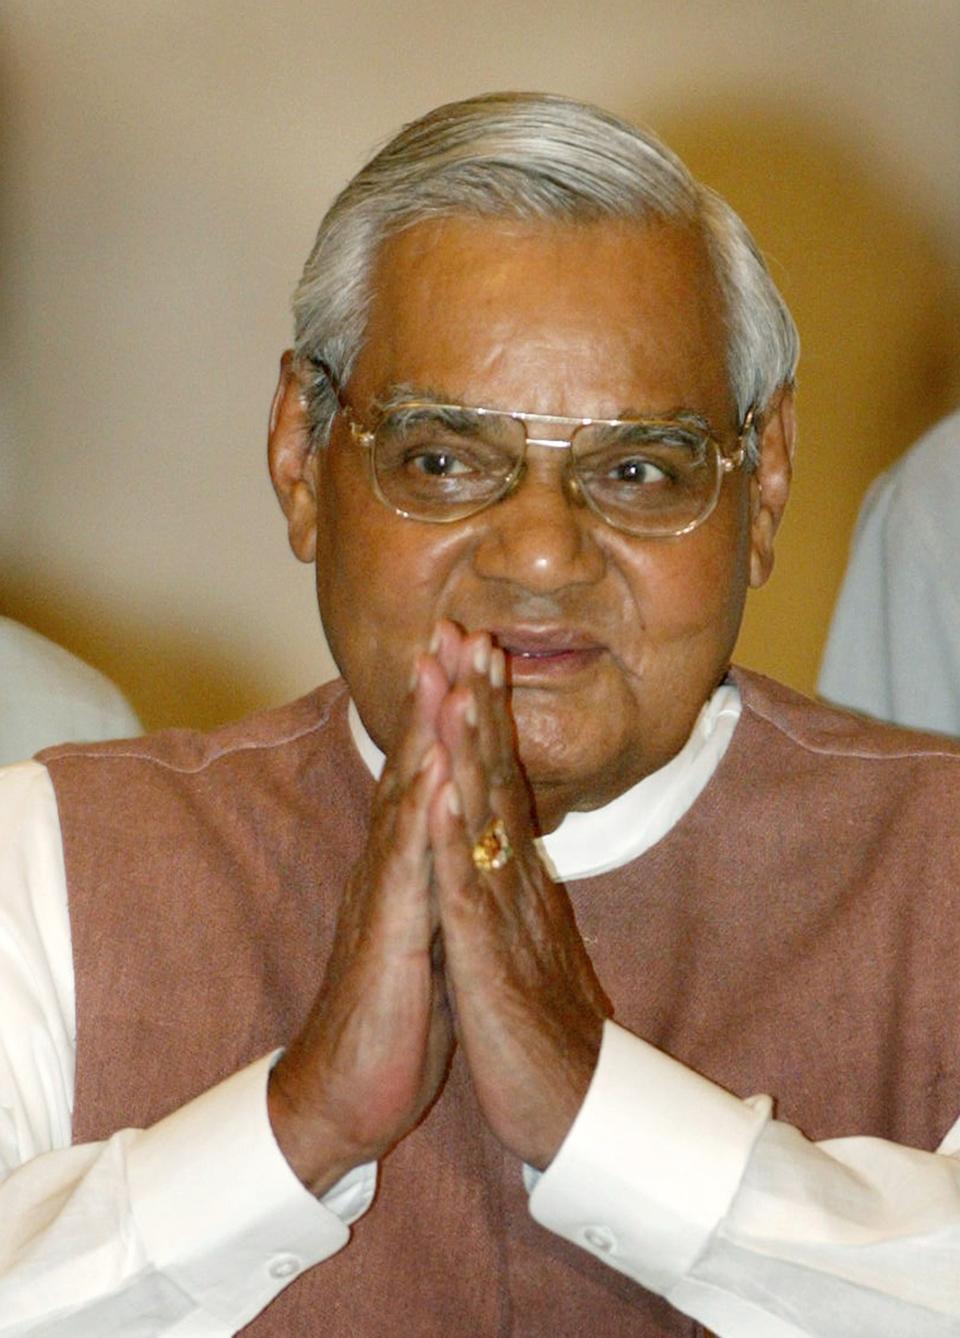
(605, 838)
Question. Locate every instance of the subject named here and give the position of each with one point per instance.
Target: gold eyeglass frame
(365, 437)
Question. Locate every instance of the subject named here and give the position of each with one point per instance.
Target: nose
(542, 537)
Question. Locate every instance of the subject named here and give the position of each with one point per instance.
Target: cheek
(718, 586)
(686, 592)
(376, 592)
(381, 583)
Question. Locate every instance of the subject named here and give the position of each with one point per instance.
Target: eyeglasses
(444, 462)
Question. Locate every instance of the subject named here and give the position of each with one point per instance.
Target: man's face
(614, 642)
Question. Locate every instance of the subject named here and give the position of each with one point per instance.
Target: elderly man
(474, 1047)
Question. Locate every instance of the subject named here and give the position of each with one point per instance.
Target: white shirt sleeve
(742, 1223)
(190, 1227)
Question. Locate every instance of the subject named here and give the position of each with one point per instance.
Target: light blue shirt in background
(894, 645)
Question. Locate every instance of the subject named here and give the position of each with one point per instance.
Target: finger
(460, 892)
(483, 670)
(506, 741)
(461, 883)
(475, 726)
(446, 645)
(432, 674)
(482, 914)
(418, 733)
(391, 894)
(458, 729)
(409, 852)
(495, 732)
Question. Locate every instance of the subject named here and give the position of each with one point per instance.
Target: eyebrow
(398, 395)
(403, 392)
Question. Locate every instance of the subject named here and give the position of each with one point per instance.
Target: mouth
(546, 654)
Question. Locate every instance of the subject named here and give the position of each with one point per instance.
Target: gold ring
(493, 850)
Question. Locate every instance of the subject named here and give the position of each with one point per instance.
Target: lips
(547, 653)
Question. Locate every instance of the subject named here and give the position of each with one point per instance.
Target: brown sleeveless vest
(797, 933)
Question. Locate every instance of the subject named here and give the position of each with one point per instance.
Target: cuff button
(599, 1238)
(283, 1266)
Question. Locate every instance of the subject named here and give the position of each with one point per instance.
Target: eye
(436, 463)
(636, 469)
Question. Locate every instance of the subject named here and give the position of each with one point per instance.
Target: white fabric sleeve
(742, 1223)
(190, 1227)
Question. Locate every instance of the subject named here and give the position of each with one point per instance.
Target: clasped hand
(429, 950)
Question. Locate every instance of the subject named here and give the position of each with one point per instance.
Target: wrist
(318, 1154)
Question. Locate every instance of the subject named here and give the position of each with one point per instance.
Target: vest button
(284, 1266)
(599, 1238)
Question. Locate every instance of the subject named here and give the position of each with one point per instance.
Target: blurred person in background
(49, 696)
(894, 645)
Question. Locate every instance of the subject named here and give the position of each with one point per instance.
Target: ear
(292, 464)
(770, 481)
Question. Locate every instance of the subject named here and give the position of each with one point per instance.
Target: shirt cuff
(651, 1163)
(219, 1209)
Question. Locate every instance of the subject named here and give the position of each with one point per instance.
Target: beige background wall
(164, 165)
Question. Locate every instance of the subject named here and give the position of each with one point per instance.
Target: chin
(552, 755)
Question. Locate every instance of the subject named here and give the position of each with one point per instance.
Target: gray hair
(528, 156)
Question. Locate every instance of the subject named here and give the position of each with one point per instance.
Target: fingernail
(414, 676)
(434, 641)
(453, 800)
(481, 656)
(426, 762)
(470, 713)
(498, 668)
